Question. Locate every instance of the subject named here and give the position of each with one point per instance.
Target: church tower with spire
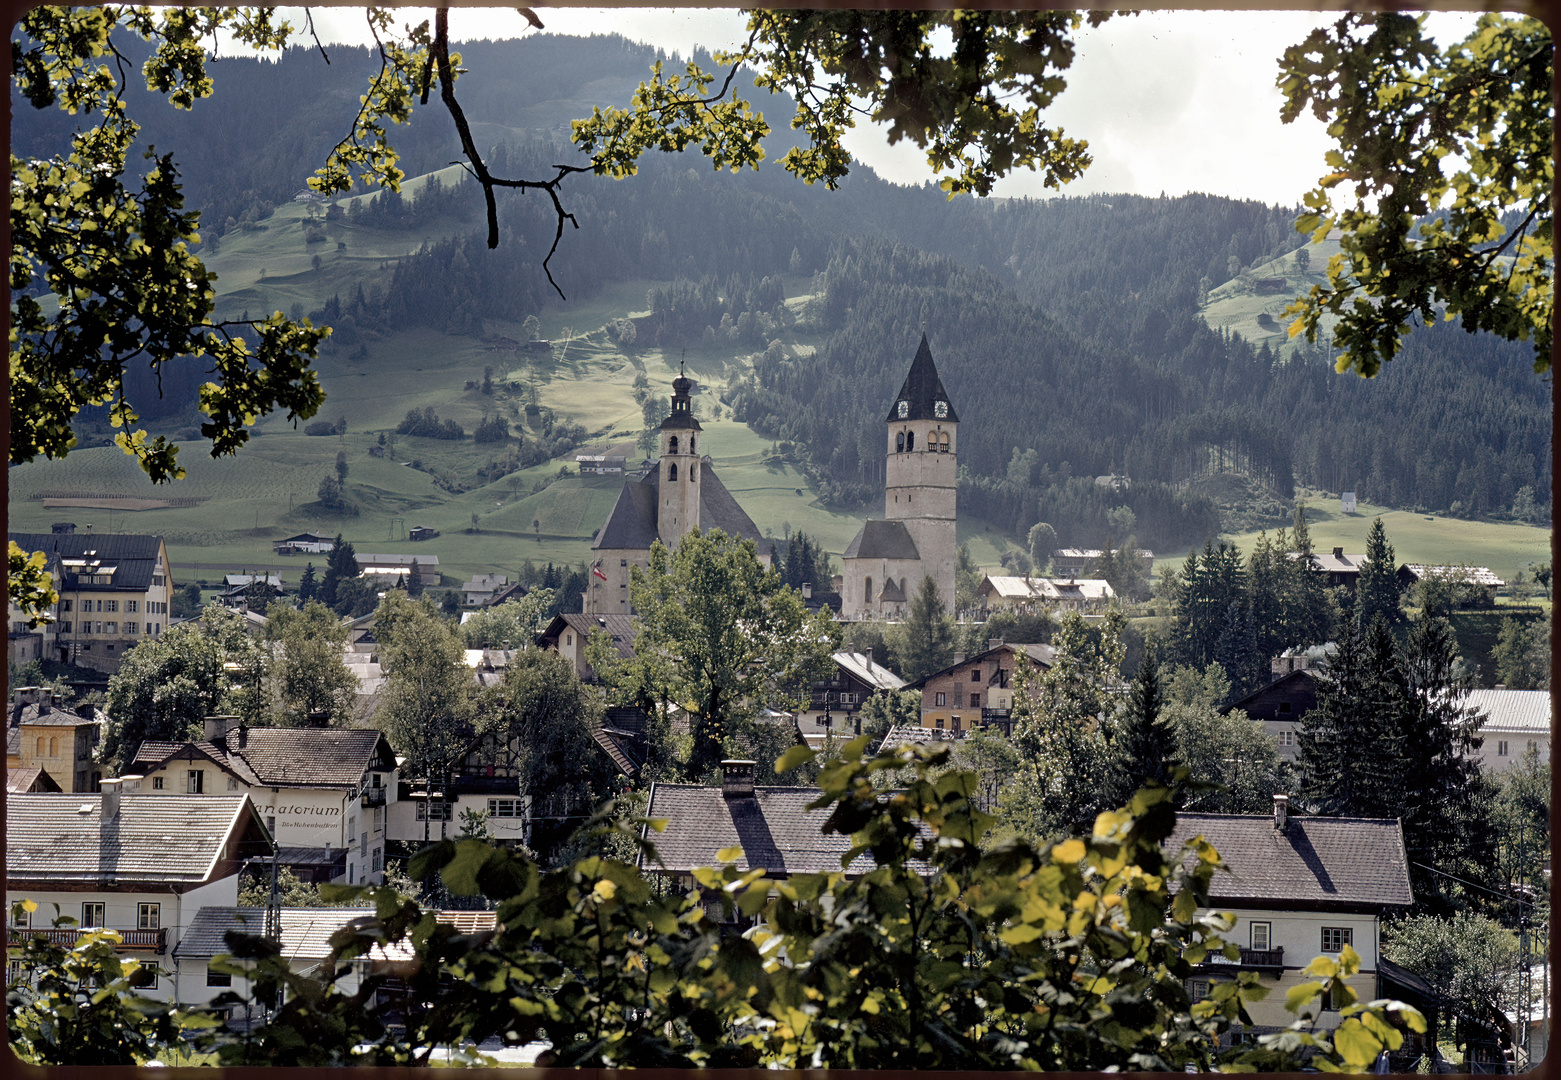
(885, 564)
(679, 495)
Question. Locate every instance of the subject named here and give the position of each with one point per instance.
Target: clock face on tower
(940, 409)
(905, 409)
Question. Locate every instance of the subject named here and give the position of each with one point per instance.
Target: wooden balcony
(374, 796)
(1271, 961)
(149, 940)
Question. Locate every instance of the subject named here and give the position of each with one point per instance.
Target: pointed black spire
(922, 396)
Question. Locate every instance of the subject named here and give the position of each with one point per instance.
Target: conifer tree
(1349, 743)
(927, 639)
(1144, 749)
(1236, 650)
(1377, 592)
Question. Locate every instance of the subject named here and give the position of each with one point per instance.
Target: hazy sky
(1169, 101)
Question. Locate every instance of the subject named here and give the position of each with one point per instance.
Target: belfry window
(943, 443)
(672, 446)
(690, 444)
(899, 442)
(910, 440)
(672, 471)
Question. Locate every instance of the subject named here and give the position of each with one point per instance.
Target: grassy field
(1233, 306)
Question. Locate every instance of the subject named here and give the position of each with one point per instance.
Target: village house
(568, 634)
(1033, 595)
(1337, 567)
(772, 826)
(1481, 582)
(1280, 705)
(834, 702)
(114, 592)
(1076, 562)
(478, 592)
(396, 569)
(42, 734)
(1515, 722)
(323, 791)
(486, 778)
(609, 460)
(308, 543)
(979, 691)
(136, 861)
(303, 935)
(1299, 887)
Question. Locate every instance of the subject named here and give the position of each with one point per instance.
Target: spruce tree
(1350, 743)
(1144, 749)
(927, 637)
(1377, 591)
(1237, 651)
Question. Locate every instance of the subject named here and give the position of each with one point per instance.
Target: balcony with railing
(1271, 961)
(150, 940)
(374, 796)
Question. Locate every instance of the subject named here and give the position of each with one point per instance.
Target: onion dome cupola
(682, 415)
(922, 396)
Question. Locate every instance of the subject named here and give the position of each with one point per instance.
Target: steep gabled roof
(1315, 863)
(632, 523)
(1513, 710)
(172, 839)
(285, 757)
(922, 390)
(882, 540)
(620, 628)
(773, 826)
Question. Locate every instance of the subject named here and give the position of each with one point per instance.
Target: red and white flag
(596, 570)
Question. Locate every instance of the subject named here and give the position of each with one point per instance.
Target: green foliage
(1143, 747)
(166, 685)
(29, 585)
(307, 665)
(721, 636)
(925, 642)
(887, 710)
(1445, 153)
(1469, 959)
(255, 890)
(957, 106)
(341, 564)
(76, 1005)
(115, 255)
(542, 714)
(510, 625)
(1522, 655)
(426, 706)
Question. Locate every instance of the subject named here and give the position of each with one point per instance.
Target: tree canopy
(1443, 160)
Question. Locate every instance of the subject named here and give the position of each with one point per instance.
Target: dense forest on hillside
(1066, 330)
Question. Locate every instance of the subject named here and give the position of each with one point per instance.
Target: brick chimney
(737, 778)
(1281, 812)
(216, 730)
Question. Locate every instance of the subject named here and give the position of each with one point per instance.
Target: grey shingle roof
(1513, 710)
(165, 838)
(36, 715)
(861, 665)
(882, 540)
(33, 779)
(134, 555)
(306, 932)
(621, 628)
(773, 827)
(1316, 863)
(632, 523)
(921, 390)
(288, 757)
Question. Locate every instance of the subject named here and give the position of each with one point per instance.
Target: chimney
(1338, 553)
(993, 643)
(807, 590)
(216, 730)
(130, 785)
(1499, 686)
(736, 778)
(318, 718)
(110, 800)
(1281, 812)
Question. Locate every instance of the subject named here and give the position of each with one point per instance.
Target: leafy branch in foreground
(931, 947)
(1449, 155)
